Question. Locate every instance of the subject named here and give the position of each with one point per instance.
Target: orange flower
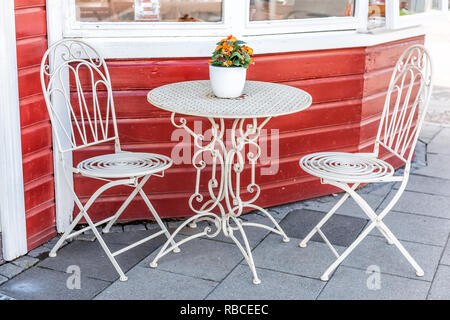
(209, 61)
(226, 49)
(226, 63)
(218, 47)
(248, 50)
(231, 38)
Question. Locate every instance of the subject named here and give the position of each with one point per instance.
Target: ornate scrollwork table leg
(222, 204)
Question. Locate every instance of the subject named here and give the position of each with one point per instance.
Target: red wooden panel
(37, 165)
(151, 73)
(31, 23)
(29, 82)
(40, 224)
(28, 3)
(33, 110)
(386, 55)
(30, 51)
(36, 137)
(307, 65)
(39, 192)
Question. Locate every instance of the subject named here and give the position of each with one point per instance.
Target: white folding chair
(405, 107)
(92, 121)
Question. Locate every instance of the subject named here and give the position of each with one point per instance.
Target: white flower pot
(227, 82)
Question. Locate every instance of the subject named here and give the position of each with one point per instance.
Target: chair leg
(63, 238)
(105, 248)
(158, 219)
(375, 222)
(327, 217)
(326, 275)
(125, 204)
(397, 243)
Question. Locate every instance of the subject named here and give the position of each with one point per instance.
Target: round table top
(259, 99)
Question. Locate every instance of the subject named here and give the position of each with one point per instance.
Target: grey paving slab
(428, 132)
(25, 262)
(352, 284)
(39, 252)
(52, 242)
(340, 230)
(417, 228)
(127, 238)
(440, 143)
(155, 284)
(45, 284)
(134, 227)
(276, 255)
(3, 279)
(116, 228)
(10, 270)
(4, 297)
(446, 255)
(429, 185)
(349, 208)
(436, 166)
(376, 251)
(254, 235)
(420, 203)
(440, 289)
(279, 212)
(92, 260)
(274, 286)
(376, 189)
(200, 258)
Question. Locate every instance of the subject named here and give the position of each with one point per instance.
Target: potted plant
(228, 67)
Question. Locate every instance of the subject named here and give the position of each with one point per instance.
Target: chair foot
(176, 250)
(193, 225)
(324, 278)
(52, 254)
(286, 239)
(153, 264)
(105, 230)
(420, 273)
(123, 278)
(256, 281)
(302, 244)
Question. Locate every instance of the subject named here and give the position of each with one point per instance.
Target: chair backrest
(406, 103)
(77, 90)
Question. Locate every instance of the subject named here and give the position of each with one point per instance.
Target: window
(404, 13)
(261, 10)
(148, 10)
(115, 18)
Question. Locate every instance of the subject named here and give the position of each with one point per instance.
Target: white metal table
(221, 203)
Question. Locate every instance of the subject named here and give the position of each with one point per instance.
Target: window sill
(173, 47)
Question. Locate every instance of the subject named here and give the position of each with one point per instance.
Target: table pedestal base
(227, 224)
(221, 203)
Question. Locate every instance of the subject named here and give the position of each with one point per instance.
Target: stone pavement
(214, 268)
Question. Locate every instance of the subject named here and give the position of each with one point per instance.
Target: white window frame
(235, 20)
(355, 22)
(395, 21)
(73, 28)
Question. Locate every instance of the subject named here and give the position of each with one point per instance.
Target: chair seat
(346, 167)
(124, 165)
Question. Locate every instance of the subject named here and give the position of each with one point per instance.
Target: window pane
(149, 10)
(377, 13)
(299, 9)
(418, 6)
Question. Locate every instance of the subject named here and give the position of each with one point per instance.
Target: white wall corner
(12, 201)
(63, 194)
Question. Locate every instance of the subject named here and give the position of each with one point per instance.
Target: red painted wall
(348, 87)
(31, 35)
